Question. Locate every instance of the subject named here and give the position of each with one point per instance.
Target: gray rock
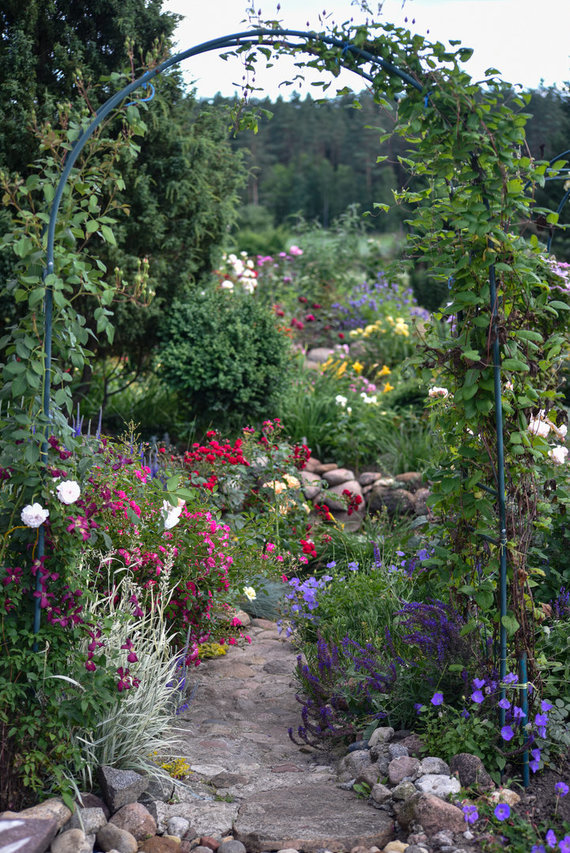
(53, 808)
(111, 836)
(159, 788)
(402, 768)
(71, 841)
(431, 764)
(338, 476)
(416, 848)
(353, 764)
(136, 819)
(412, 480)
(431, 813)
(334, 498)
(395, 501)
(120, 787)
(420, 503)
(319, 354)
(438, 785)
(404, 791)
(90, 820)
(178, 826)
(413, 744)
(308, 818)
(231, 847)
(380, 793)
(396, 750)
(471, 771)
(382, 734)
(368, 478)
(368, 775)
(443, 837)
(29, 835)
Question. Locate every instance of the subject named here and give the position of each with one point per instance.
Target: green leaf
(515, 364)
(510, 624)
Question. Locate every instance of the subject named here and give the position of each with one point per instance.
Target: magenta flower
(502, 811)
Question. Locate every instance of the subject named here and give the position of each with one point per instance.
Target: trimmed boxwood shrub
(225, 356)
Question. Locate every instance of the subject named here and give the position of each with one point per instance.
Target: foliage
(225, 356)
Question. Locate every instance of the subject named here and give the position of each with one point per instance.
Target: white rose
(68, 491)
(171, 514)
(33, 515)
(249, 593)
(539, 427)
(558, 454)
(438, 392)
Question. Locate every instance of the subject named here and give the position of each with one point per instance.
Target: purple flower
(478, 683)
(353, 566)
(437, 699)
(465, 714)
(545, 706)
(551, 839)
(541, 720)
(538, 848)
(470, 814)
(561, 789)
(518, 713)
(507, 733)
(477, 697)
(331, 565)
(502, 811)
(534, 766)
(505, 704)
(510, 678)
(418, 707)
(564, 845)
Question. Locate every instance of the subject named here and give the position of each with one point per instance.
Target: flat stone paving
(248, 777)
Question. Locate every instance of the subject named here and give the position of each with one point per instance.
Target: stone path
(248, 778)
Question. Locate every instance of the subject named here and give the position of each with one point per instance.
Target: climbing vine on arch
(471, 207)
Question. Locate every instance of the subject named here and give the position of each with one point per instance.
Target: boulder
(334, 498)
(438, 784)
(432, 813)
(338, 476)
(381, 734)
(136, 819)
(120, 787)
(403, 767)
(89, 820)
(395, 501)
(411, 480)
(471, 771)
(110, 837)
(72, 841)
(420, 502)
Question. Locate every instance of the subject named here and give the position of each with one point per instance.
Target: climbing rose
(33, 515)
(68, 491)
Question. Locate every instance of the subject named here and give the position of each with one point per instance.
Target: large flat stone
(310, 817)
(26, 835)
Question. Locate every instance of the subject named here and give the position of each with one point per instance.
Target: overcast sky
(527, 40)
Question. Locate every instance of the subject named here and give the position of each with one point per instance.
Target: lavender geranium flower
(541, 720)
(546, 706)
(518, 713)
(437, 699)
(33, 515)
(470, 814)
(477, 697)
(478, 683)
(561, 789)
(507, 733)
(564, 844)
(551, 839)
(510, 678)
(504, 704)
(502, 811)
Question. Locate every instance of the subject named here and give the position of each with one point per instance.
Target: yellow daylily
(387, 387)
(357, 367)
(384, 372)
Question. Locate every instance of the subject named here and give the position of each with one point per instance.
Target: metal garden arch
(252, 39)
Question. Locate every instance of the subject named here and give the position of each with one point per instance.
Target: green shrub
(224, 354)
